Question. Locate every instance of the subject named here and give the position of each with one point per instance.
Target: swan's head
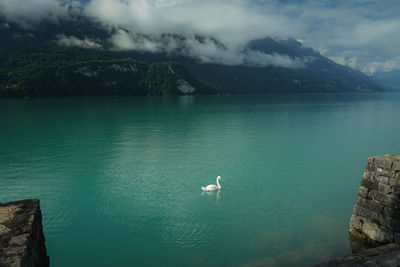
(219, 178)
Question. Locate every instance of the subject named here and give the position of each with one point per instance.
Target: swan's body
(213, 187)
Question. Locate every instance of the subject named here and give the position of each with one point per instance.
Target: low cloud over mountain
(361, 34)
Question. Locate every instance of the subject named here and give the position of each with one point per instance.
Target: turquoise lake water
(119, 179)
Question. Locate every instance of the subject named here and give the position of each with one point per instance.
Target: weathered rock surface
(22, 242)
(376, 215)
(385, 255)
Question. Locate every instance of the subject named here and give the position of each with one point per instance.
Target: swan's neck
(219, 186)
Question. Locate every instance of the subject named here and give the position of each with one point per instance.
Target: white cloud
(330, 27)
(26, 12)
(234, 23)
(73, 41)
(362, 34)
(206, 50)
(347, 58)
(357, 34)
(382, 66)
(123, 40)
(355, 60)
(230, 21)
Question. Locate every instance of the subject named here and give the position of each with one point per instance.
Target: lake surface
(119, 179)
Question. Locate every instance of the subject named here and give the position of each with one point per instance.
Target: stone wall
(385, 255)
(376, 215)
(22, 241)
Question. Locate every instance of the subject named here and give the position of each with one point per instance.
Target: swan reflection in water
(210, 193)
(211, 188)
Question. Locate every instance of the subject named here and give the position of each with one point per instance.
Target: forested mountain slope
(35, 62)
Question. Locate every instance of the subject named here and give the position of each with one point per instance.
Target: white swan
(212, 187)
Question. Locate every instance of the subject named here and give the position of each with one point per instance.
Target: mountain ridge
(43, 61)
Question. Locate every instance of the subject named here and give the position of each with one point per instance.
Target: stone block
(19, 240)
(356, 222)
(381, 220)
(371, 185)
(369, 171)
(378, 197)
(384, 188)
(396, 165)
(393, 202)
(396, 191)
(397, 176)
(392, 224)
(377, 233)
(384, 162)
(387, 255)
(384, 200)
(385, 172)
(394, 182)
(370, 160)
(382, 179)
(360, 211)
(369, 205)
(396, 237)
(357, 210)
(363, 192)
(366, 213)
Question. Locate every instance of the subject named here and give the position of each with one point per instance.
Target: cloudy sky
(362, 34)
